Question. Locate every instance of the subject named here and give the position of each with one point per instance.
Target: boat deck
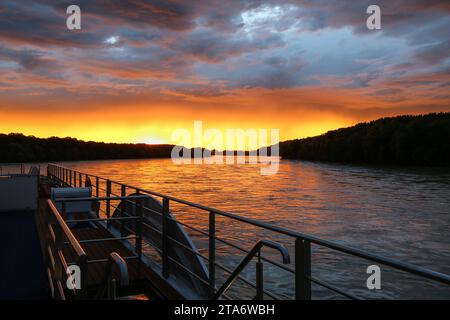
(143, 279)
(93, 240)
(99, 251)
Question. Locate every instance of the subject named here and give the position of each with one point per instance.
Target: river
(401, 213)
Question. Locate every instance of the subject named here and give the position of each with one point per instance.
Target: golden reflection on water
(401, 213)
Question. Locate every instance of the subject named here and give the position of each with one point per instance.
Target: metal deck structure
(116, 261)
(297, 261)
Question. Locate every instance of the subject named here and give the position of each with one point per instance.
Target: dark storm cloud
(36, 23)
(26, 58)
(166, 39)
(211, 46)
(43, 22)
(30, 61)
(324, 13)
(275, 72)
(175, 15)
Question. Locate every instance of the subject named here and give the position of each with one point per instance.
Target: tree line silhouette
(403, 140)
(20, 148)
(422, 140)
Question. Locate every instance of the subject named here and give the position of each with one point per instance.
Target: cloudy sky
(137, 70)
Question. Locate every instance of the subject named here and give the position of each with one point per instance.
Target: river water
(400, 213)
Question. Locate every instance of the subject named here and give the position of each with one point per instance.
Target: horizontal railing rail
(108, 220)
(19, 168)
(58, 225)
(12, 168)
(59, 234)
(302, 242)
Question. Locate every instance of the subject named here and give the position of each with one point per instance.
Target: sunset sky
(138, 70)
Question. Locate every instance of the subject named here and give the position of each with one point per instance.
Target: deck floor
(138, 272)
(102, 250)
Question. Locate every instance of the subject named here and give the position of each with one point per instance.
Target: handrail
(19, 169)
(256, 250)
(108, 284)
(303, 242)
(65, 228)
(92, 199)
(57, 264)
(19, 166)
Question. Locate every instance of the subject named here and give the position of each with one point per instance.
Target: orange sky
(296, 113)
(135, 74)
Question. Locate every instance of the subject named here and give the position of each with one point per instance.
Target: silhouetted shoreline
(422, 140)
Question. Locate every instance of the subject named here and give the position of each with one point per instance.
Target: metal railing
(109, 282)
(303, 279)
(12, 168)
(256, 251)
(18, 168)
(136, 236)
(58, 235)
(63, 249)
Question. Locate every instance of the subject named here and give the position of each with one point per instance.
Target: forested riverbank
(403, 140)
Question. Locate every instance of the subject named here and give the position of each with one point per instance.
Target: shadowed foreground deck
(22, 266)
(142, 278)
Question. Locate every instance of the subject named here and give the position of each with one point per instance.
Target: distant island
(422, 140)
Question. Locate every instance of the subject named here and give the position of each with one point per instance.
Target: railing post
(212, 252)
(74, 178)
(165, 243)
(81, 180)
(108, 201)
(83, 265)
(111, 289)
(259, 278)
(97, 191)
(302, 269)
(70, 178)
(139, 227)
(123, 193)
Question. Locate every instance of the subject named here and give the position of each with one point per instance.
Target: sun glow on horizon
(116, 130)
